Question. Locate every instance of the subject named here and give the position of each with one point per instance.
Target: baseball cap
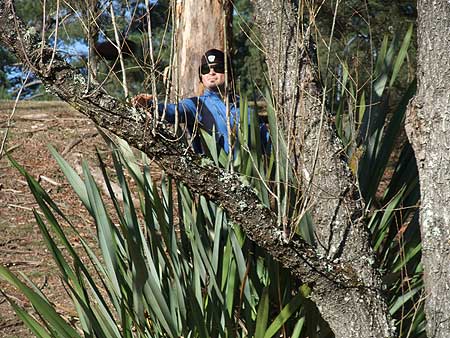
(213, 56)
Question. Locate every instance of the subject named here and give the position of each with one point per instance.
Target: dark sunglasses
(218, 68)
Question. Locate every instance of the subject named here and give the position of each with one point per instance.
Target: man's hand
(142, 100)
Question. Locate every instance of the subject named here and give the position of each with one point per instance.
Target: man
(208, 111)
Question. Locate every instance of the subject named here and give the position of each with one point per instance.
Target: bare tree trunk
(200, 26)
(428, 129)
(329, 190)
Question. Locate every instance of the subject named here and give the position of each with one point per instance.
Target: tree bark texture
(428, 128)
(346, 292)
(328, 188)
(200, 26)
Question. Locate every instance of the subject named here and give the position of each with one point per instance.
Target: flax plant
(387, 175)
(168, 262)
(169, 267)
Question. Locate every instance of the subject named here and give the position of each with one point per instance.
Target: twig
(231, 143)
(76, 141)
(8, 125)
(11, 149)
(13, 191)
(37, 130)
(19, 207)
(33, 263)
(22, 181)
(49, 180)
(44, 16)
(29, 84)
(119, 51)
(151, 54)
(9, 325)
(55, 38)
(34, 117)
(71, 145)
(28, 118)
(16, 252)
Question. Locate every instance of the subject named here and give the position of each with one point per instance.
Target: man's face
(215, 78)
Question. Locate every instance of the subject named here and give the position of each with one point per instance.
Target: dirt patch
(33, 126)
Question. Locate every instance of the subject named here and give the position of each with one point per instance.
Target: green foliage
(396, 240)
(364, 122)
(31, 11)
(4, 95)
(248, 59)
(165, 266)
(177, 267)
(173, 265)
(369, 122)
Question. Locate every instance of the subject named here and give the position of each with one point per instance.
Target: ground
(32, 127)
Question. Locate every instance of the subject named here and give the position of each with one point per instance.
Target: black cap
(213, 56)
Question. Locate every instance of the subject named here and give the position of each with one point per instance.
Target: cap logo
(211, 58)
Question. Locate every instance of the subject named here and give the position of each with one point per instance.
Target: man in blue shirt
(208, 111)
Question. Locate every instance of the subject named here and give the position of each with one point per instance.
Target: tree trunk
(329, 189)
(344, 285)
(200, 26)
(428, 129)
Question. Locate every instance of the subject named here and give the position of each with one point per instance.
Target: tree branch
(337, 284)
(330, 192)
(129, 123)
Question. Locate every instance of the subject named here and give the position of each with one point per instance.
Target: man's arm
(185, 108)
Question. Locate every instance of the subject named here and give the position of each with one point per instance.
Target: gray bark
(345, 286)
(329, 189)
(428, 129)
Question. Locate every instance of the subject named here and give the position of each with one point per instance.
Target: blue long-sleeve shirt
(209, 112)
